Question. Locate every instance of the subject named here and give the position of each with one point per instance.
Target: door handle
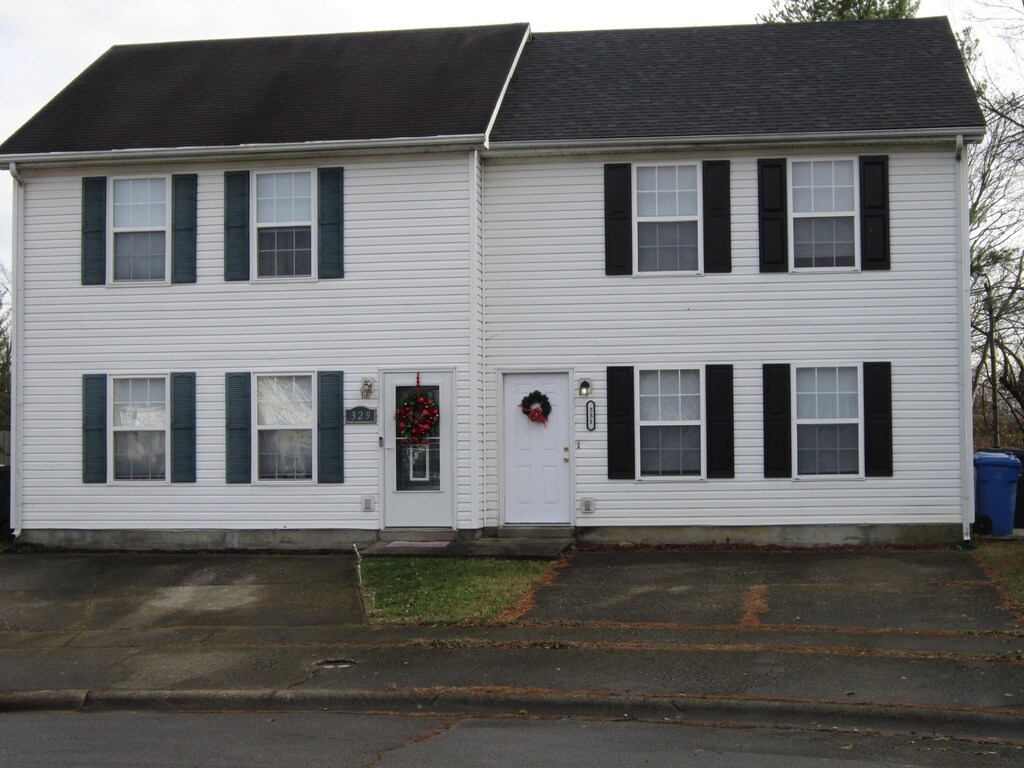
(565, 459)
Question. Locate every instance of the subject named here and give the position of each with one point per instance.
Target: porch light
(584, 388)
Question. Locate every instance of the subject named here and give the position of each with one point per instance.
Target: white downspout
(963, 227)
(17, 240)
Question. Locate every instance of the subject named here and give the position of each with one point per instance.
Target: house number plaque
(591, 416)
(361, 415)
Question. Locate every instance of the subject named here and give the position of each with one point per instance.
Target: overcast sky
(44, 44)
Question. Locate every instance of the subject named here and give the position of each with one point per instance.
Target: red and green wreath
(537, 407)
(415, 417)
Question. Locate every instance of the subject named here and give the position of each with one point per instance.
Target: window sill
(825, 478)
(672, 479)
(824, 270)
(138, 283)
(648, 275)
(282, 280)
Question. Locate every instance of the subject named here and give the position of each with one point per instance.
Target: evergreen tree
(839, 10)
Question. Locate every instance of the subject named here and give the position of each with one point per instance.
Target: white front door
(418, 475)
(537, 457)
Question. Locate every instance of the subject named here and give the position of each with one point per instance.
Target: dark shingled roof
(374, 85)
(741, 80)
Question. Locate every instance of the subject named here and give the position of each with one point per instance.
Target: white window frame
(111, 429)
(859, 421)
(701, 423)
(168, 213)
(698, 217)
(256, 428)
(254, 225)
(792, 215)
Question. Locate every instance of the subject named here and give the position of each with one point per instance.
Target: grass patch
(445, 590)
(1005, 561)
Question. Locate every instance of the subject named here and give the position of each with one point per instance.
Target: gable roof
(274, 90)
(739, 81)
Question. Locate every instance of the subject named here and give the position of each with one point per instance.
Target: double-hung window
(828, 421)
(284, 243)
(670, 411)
(140, 221)
(284, 419)
(668, 236)
(139, 424)
(824, 219)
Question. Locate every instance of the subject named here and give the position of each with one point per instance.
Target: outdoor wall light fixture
(367, 388)
(584, 388)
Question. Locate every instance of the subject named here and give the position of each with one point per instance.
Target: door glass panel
(417, 467)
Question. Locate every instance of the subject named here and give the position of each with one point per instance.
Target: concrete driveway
(934, 590)
(67, 592)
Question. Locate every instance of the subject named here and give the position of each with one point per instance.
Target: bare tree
(839, 10)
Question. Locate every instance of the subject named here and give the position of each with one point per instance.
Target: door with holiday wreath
(537, 449)
(418, 450)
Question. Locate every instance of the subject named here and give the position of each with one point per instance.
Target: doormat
(419, 544)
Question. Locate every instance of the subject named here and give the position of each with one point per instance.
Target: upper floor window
(284, 224)
(140, 222)
(667, 220)
(824, 213)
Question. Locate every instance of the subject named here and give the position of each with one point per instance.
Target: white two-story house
(659, 285)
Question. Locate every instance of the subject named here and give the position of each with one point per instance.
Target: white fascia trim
(369, 146)
(922, 135)
(504, 88)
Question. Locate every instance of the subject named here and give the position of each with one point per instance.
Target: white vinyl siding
(403, 305)
(551, 305)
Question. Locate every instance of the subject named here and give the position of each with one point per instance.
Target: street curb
(816, 715)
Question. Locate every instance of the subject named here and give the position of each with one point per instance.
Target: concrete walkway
(891, 640)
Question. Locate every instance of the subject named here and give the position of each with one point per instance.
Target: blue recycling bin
(995, 488)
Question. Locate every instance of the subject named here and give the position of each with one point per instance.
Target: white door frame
(502, 415)
(448, 426)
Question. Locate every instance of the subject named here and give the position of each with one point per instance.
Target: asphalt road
(123, 739)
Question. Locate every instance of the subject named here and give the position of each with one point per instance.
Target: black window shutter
(621, 440)
(878, 419)
(773, 224)
(618, 219)
(874, 212)
(717, 228)
(94, 231)
(719, 414)
(778, 455)
(183, 231)
(331, 224)
(94, 428)
(238, 412)
(183, 427)
(236, 225)
(330, 428)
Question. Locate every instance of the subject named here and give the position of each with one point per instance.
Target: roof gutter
(971, 135)
(243, 151)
